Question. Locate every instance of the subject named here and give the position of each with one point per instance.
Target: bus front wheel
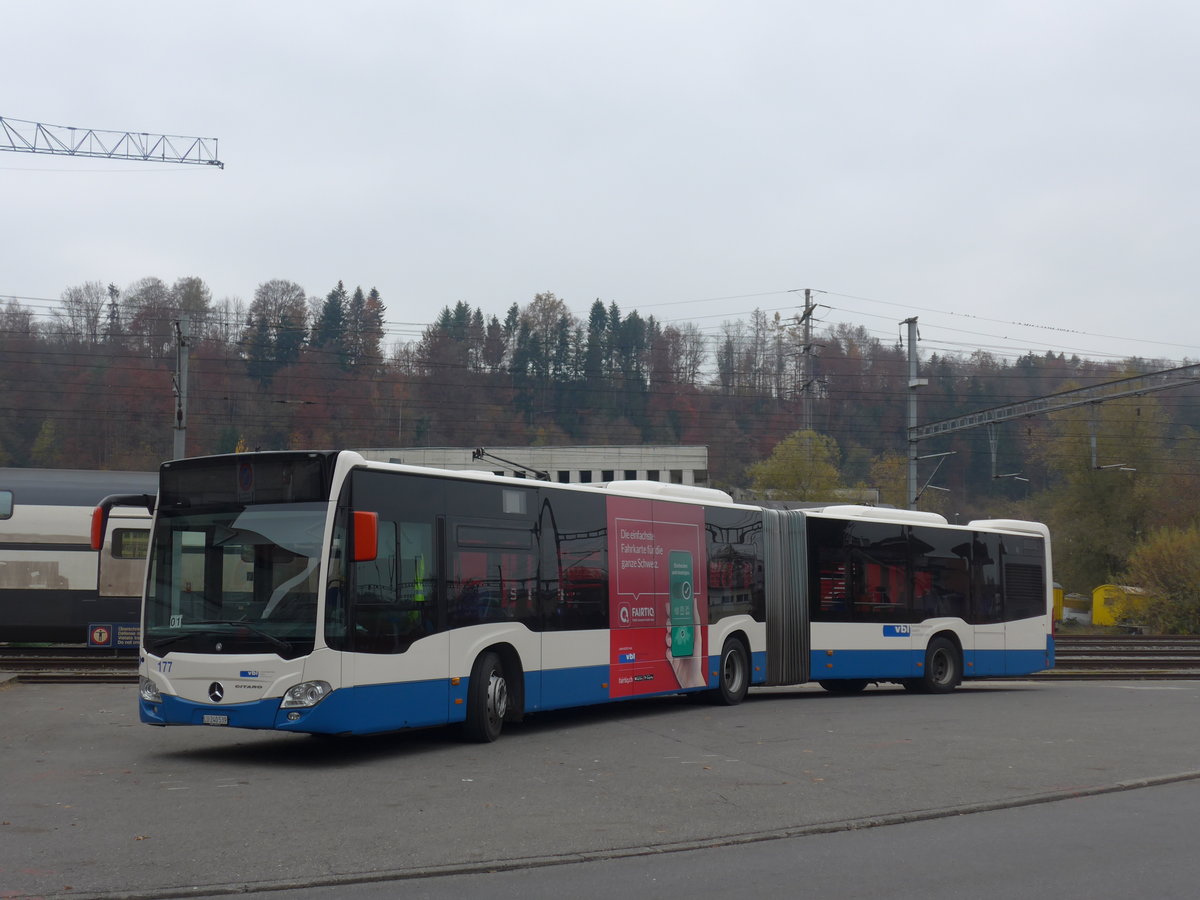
(487, 699)
(943, 669)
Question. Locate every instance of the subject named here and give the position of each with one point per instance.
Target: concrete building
(567, 465)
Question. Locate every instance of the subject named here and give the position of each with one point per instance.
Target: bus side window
(829, 578)
(735, 572)
(394, 599)
(941, 573)
(335, 594)
(6, 504)
(573, 574)
(492, 574)
(987, 600)
(878, 562)
(415, 549)
(375, 580)
(1024, 577)
(394, 592)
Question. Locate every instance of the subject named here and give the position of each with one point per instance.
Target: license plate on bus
(214, 719)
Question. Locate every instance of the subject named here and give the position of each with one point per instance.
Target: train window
(130, 543)
(5, 504)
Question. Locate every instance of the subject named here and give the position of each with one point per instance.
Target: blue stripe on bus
(888, 664)
(563, 688)
(1025, 662)
(868, 664)
(758, 668)
(363, 709)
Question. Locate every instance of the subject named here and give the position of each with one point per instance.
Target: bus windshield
(236, 579)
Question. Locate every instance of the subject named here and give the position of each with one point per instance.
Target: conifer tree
(370, 330)
(329, 331)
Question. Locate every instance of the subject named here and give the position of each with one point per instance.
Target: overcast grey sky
(985, 166)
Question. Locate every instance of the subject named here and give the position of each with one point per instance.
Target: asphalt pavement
(95, 804)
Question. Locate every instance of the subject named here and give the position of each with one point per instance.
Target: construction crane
(21, 136)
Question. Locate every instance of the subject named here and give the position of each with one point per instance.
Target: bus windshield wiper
(277, 643)
(157, 644)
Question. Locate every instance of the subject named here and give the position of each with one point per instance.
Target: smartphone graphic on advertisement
(682, 602)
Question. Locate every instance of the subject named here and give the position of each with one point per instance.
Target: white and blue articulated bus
(322, 593)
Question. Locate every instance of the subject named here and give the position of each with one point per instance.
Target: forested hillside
(89, 385)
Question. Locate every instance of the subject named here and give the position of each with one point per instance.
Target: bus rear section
(906, 598)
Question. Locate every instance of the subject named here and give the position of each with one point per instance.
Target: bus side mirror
(100, 513)
(366, 536)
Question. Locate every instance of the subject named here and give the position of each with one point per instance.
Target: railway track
(1077, 657)
(1125, 656)
(69, 665)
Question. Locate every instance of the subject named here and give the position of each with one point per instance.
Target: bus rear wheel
(487, 699)
(733, 675)
(943, 669)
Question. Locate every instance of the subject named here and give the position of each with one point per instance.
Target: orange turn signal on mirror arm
(100, 513)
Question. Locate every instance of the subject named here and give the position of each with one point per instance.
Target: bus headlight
(148, 690)
(306, 693)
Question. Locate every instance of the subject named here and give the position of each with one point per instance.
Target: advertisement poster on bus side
(658, 596)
